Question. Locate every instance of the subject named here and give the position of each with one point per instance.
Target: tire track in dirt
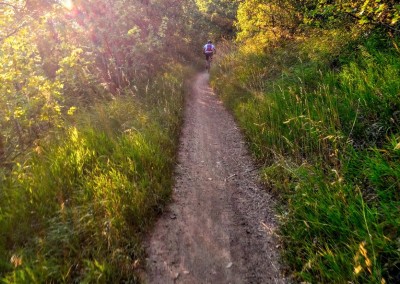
(220, 225)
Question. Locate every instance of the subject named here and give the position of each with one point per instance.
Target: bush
(324, 122)
(77, 209)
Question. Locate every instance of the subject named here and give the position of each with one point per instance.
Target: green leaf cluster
(91, 98)
(316, 92)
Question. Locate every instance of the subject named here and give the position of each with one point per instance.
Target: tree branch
(372, 21)
(9, 5)
(13, 32)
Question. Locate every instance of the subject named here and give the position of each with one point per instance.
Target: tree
(220, 14)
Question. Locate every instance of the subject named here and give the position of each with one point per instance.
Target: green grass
(322, 115)
(77, 207)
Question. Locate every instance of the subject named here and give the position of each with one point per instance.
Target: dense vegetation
(315, 87)
(91, 97)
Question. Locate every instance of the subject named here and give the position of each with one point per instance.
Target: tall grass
(325, 124)
(77, 207)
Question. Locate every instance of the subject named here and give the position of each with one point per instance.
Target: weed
(77, 208)
(323, 118)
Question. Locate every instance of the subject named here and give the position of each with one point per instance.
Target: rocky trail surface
(220, 226)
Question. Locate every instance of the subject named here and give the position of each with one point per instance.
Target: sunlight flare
(67, 4)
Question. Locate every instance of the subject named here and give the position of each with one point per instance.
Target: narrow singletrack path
(220, 226)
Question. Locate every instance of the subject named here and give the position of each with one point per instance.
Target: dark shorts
(208, 55)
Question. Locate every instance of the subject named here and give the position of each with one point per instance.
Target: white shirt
(205, 48)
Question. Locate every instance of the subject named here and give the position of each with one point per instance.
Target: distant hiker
(209, 50)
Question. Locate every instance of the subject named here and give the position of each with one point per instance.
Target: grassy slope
(76, 209)
(322, 114)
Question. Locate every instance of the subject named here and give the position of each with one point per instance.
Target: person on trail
(209, 50)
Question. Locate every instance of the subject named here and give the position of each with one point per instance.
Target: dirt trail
(220, 226)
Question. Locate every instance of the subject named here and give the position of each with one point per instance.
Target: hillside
(314, 86)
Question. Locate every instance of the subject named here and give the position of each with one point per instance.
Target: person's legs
(208, 59)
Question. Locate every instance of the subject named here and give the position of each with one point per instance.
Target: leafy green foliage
(263, 21)
(91, 96)
(54, 58)
(321, 113)
(382, 12)
(90, 196)
(221, 15)
(318, 87)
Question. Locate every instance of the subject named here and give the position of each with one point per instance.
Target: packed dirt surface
(220, 225)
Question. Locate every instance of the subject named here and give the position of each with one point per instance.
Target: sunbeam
(67, 4)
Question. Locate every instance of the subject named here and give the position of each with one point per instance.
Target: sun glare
(68, 4)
